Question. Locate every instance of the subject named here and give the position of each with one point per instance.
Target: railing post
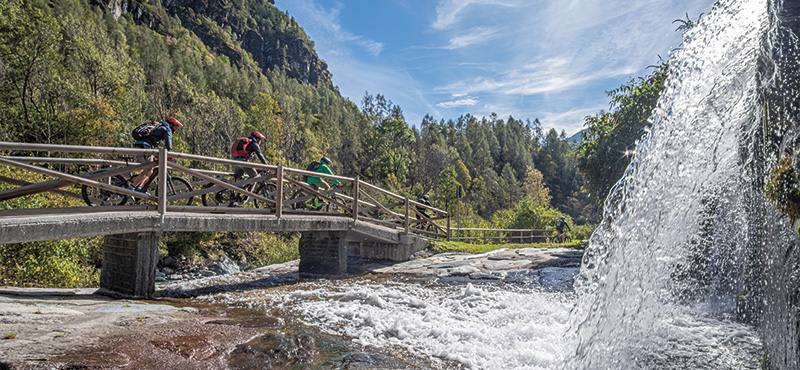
(355, 199)
(449, 232)
(484, 236)
(279, 193)
(162, 183)
(407, 223)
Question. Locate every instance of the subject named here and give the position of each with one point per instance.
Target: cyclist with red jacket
(243, 149)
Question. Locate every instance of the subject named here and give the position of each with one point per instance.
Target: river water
(667, 278)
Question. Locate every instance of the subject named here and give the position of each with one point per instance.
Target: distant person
(149, 137)
(426, 200)
(321, 166)
(423, 223)
(560, 225)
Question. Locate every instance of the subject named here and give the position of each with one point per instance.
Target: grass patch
(445, 246)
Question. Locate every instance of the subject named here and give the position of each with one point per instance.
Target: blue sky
(547, 59)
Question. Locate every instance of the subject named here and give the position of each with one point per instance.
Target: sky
(548, 59)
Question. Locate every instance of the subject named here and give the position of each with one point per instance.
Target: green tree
(610, 137)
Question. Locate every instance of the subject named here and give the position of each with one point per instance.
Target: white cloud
(329, 32)
(467, 102)
(475, 36)
(570, 121)
(447, 12)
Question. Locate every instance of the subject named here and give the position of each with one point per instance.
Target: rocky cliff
(243, 31)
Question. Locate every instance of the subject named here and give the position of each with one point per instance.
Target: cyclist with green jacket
(318, 183)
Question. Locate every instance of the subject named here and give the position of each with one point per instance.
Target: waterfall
(688, 237)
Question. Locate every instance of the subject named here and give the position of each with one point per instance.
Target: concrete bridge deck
(65, 226)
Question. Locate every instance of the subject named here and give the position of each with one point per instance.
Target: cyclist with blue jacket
(160, 134)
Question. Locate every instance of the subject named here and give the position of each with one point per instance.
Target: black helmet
(425, 197)
(325, 160)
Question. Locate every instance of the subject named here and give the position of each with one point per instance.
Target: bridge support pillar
(129, 264)
(395, 252)
(323, 253)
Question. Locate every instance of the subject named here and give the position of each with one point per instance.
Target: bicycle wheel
(208, 199)
(335, 207)
(180, 186)
(100, 197)
(298, 200)
(176, 185)
(266, 190)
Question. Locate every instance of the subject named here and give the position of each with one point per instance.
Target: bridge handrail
(501, 234)
(354, 205)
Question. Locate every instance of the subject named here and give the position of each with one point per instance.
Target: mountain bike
(301, 199)
(426, 225)
(100, 197)
(225, 197)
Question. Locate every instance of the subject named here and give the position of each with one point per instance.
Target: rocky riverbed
(50, 328)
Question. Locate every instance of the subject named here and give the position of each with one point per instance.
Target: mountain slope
(234, 29)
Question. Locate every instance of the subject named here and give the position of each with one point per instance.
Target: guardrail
(498, 236)
(97, 176)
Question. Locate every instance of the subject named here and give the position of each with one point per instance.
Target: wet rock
(457, 271)
(160, 276)
(224, 266)
(193, 347)
(273, 351)
(207, 273)
(506, 265)
(504, 255)
(169, 261)
(494, 275)
(454, 264)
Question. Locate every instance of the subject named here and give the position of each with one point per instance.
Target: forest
(79, 72)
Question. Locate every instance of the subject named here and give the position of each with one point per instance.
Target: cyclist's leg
(315, 203)
(138, 181)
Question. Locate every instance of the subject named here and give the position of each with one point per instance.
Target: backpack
(142, 131)
(313, 166)
(239, 148)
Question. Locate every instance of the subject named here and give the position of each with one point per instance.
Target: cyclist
(161, 133)
(560, 224)
(426, 200)
(318, 183)
(243, 150)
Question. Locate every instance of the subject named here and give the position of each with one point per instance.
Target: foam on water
(481, 327)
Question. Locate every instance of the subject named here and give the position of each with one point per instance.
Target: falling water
(689, 246)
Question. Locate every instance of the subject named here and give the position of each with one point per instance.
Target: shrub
(68, 263)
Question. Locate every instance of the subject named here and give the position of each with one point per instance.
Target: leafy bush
(68, 263)
(255, 248)
(783, 190)
(582, 232)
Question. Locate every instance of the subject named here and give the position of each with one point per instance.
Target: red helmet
(257, 135)
(173, 121)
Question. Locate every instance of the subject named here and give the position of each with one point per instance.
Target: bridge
(356, 217)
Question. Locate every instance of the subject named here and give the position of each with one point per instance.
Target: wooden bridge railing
(283, 190)
(498, 236)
